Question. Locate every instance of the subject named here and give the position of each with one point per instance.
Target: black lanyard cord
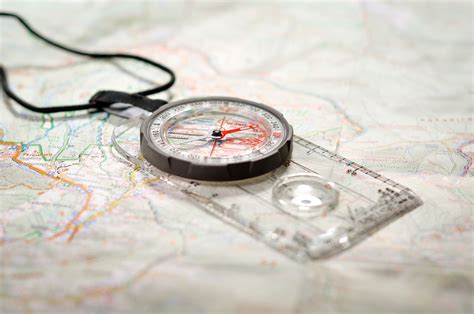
(93, 104)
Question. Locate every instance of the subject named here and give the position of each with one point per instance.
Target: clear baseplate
(316, 206)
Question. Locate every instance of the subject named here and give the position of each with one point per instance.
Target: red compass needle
(225, 132)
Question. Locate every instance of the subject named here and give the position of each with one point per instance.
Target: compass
(216, 139)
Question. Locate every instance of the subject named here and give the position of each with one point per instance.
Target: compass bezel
(215, 172)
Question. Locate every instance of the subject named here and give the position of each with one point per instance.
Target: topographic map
(387, 85)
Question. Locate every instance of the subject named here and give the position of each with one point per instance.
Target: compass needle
(194, 140)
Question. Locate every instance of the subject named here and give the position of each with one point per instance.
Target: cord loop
(137, 99)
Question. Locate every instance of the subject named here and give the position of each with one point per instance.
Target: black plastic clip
(106, 98)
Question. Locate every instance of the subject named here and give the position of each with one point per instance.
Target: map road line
(44, 173)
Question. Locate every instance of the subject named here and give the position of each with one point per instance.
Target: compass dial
(203, 135)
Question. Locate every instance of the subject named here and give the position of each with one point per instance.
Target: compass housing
(227, 171)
